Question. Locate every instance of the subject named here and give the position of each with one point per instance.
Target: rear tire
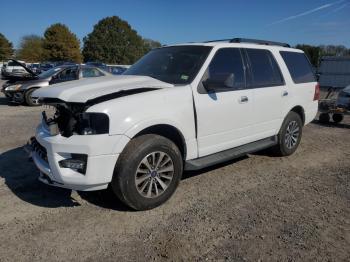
(324, 118)
(289, 135)
(147, 172)
(28, 98)
(337, 118)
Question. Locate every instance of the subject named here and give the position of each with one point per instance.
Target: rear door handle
(285, 93)
(243, 99)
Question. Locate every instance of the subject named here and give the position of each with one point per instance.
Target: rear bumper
(102, 152)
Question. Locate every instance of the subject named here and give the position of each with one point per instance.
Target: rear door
(270, 94)
(303, 84)
(223, 115)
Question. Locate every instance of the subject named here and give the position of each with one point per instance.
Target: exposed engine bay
(72, 119)
(66, 120)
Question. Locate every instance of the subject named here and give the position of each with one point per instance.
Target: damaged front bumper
(102, 152)
(14, 96)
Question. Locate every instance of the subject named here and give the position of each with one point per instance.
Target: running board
(205, 161)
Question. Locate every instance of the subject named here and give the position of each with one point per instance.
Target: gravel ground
(257, 208)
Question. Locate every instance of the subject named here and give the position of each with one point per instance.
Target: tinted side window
(299, 67)
(264, 69)
(227, 62)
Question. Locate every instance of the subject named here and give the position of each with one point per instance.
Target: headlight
(13, 87)
(93, 124)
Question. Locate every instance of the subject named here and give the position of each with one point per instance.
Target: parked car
(116, 69)
(344, 98)
(97, 64)
(182, 107)
(12, 68)
(46, 66)
(35, 67)
(21, 91)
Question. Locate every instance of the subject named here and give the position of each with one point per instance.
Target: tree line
(112, 41)
(315, 53)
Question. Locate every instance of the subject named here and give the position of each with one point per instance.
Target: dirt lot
(257, 208)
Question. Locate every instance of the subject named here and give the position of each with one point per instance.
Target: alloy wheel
(292, 134)
(154, 174)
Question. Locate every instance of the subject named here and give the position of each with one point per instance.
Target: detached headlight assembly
(13, 87)
(93, 124)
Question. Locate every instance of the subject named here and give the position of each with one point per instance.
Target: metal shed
(334, 72)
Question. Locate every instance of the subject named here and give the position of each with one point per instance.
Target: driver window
(227, 65)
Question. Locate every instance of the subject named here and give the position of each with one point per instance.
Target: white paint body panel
(80, 91)
(208, 123)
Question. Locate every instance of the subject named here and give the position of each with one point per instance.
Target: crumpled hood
(80, 91)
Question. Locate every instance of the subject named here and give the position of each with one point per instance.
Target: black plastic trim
(202, 162)
(249, 40)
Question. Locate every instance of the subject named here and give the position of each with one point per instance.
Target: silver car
(21, 91)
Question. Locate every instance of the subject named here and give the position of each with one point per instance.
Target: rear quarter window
(298, 66)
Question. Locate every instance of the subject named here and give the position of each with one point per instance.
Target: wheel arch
(168, 131)
(300, 111)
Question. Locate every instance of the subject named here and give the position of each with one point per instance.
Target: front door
(223, 113)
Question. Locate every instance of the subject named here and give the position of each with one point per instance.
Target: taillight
(317, 92)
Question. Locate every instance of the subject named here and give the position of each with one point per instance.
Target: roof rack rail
(248, 40)
(219, 40)
(257, 41)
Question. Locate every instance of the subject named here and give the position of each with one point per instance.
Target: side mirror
(219, 82)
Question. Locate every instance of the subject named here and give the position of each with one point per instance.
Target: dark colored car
(46, 66)
(116, 70)
(97, 64)
(21, 91)
(35, 67)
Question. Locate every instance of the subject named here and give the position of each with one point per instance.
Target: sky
(177, 21)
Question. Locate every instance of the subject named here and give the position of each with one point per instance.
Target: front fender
(132, 114)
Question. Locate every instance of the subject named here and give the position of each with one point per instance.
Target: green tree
(61, 44)
(6, 48)
(313, 53)
(31, 49)
(114, 41)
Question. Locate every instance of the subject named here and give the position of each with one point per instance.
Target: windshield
(175, 64)
(49, 73)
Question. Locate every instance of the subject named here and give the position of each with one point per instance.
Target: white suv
(180, 107)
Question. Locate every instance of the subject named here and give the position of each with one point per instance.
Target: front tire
(147, 172)
(289, 135)
(29, 100)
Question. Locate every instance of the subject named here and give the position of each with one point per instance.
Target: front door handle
(285, 93)
(243, 99)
